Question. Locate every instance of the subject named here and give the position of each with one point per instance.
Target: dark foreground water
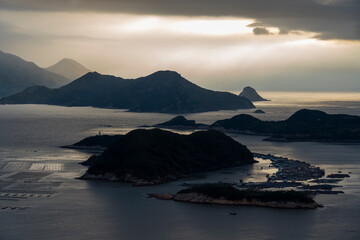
(54, 205)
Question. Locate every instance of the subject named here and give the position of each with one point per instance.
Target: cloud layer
(327, 19)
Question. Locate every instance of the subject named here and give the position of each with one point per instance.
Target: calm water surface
(66, 208)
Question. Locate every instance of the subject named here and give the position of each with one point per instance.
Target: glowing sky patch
(216, 52)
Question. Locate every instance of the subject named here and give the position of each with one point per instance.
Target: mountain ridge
(162, 91)
(303, 125)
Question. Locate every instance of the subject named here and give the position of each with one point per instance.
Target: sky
(272, 45)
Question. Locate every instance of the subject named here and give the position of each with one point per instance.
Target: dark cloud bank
(331, 19)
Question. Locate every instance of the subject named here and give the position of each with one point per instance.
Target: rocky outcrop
(251, 94)
(161, 196)
(180, 122)
(259, 111)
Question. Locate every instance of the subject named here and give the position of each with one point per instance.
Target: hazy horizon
(312, 45)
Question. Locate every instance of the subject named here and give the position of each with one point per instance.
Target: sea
(41, 197)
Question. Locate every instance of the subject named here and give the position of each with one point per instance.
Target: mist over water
(30, 136)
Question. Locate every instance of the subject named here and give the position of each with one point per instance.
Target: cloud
(261, 31)
(328, 19)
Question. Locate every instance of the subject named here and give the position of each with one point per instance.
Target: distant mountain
(17, 74)
(68, 68)
(163, 91)
(304, 125)
(251, 94)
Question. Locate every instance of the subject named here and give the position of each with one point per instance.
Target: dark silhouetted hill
(181, 122)
(251, 94)
(163, 91)
(304, 125)
(156, 156)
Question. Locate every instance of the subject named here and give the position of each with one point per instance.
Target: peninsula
(99, 142)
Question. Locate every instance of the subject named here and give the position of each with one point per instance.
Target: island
(225, 194)
(162, 91)
(180, 122)
(251, 94)
(304, 125)
(148, 157)
(258, 111)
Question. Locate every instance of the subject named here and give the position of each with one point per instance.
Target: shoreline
(135, 181)
(84, 147)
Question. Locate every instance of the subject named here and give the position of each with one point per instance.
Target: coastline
(135, 181)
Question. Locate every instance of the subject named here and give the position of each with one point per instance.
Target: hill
(147, 157)
(163, 91)
(304, 125)
(251, 94)
(68, 68)
(17, 74)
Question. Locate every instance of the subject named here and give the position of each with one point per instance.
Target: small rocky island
(251, 94)
(225, 194)
(258, 111)
(182, 123)
(148, 157)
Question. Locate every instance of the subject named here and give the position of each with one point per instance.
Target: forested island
(147, 157)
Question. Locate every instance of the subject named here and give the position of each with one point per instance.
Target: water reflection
(101, 210)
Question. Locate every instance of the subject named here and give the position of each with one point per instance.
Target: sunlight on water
(30, 156)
